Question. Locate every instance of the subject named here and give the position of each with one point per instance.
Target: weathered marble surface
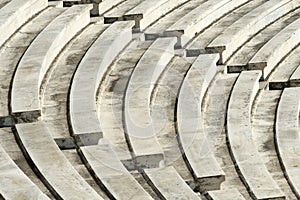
(110, 99)
(232, 194)
(263, 134)
(56, 88)
(251, 167)
(200, 18)
(195, 144)
(287, 136)
(248, 25)
(111, 173)
(139, 125)
(242, 56)
(83, 115)
(169, 184)
(202, 40)
(56, 171)
(267, 57)
(15, 13)
(25, 95)
(13, 51)
(14, 184)
(157, 28)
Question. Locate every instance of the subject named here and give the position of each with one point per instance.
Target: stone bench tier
(142, 12)
(117, 13)
(156, 29)
(230, 194)
(14, 184)
(249, 164)
(196, 149)
(168, 184)
(200, 18)
(287, 136)
(248, 25)
(139, 126)
(202, 40)
(101, 6)
(25, 94)
(276, 49)
(49, 162)
(83, 113)
(13, 51)
(15, 13)
(111, 173)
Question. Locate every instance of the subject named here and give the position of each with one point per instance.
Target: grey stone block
(194, 144)
(287, 137)
(249, 164)
(39, 56)
(55, 170)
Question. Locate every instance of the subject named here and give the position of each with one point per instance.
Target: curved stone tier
(15, 13)
(193, 140)
(250, 166)
(248, 25)
(287, 135)
(25, 94)
(140, 127)
(149, 99)
(83, 116)
(52, 166)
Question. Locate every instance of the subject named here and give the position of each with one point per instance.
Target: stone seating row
(249, 164)
(152, 175)
(56, 88)
(272, 49)
(198, 44)
(105, 164)
(12, 52)
(247, 26)
(14, 184)
(156, 29)
(168, 184)
(102, 161)
(83, 114)
(286, 74)
(25, 94)
(145, 85)
(229, 194)
(200, 18)
(287, 136)
(48, 161)
(240, 59)
(139, 126)
(189, 19)
(196, 147)
(99, 6)
(267, 58)
(117, 30)
(15, 13)
(110, 98)
(142, 12)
